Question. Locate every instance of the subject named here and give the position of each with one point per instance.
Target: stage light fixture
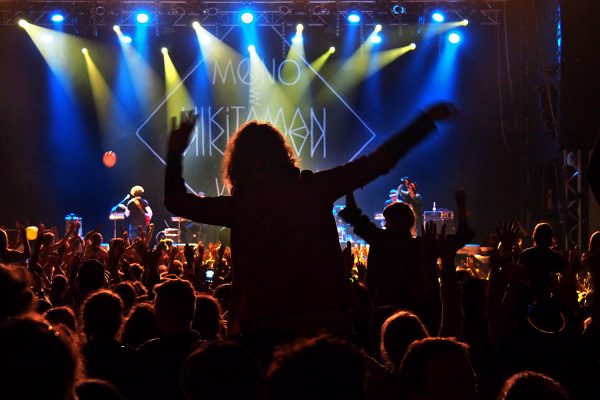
(438, 16)
(397, 9)
(464, 22)
(57, 17)
(84, 50)
(125, 39)
(412, 46)
(164, 50)
(298, 36)
(23, 23)
(252, 48)
(454, 38)
(378, 28)
(142, 17)
(353, 17)
(247, 17)
(196, 25)
(376, 39)
(117, 28)
(332, 50)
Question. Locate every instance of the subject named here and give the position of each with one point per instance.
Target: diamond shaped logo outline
(161, 104)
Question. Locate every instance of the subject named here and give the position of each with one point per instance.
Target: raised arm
(209, 210)
(335, 182)
(363, 227)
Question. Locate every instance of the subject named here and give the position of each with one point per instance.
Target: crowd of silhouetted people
(289, 313)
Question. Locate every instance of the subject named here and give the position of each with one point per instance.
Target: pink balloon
(109, 159)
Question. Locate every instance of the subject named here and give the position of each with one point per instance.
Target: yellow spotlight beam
(382, 59)
(100, 91)
(320, 62)
(221, 62)
(295, 74)
(353, 70)
(433, 30)
(61, 53)
(178, 97)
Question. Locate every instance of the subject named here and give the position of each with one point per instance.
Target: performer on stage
(393, 198)
(408, 194)
(137, 211)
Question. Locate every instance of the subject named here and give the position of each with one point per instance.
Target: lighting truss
(175, 13)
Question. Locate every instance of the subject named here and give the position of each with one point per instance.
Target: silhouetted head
(38, 361)
(543, 234)
(140, 326)
(117, 244)
(399, 217)
(221, 371)
(59, 284)
(397, 333)
(90, 277)
(62, 315)
(174, 305)
(47, 238)
(126, 292)
(97, 389)
(136, 191)
(207, 317)
(529, 385)
(255, 151)
(96, 239)
(16, 296)
(319, 368)
(437, 369)
(101, 315)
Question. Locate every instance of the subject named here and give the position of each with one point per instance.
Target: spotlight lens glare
(196, 25)
(437, 17)
(164, 50)
(57, 17)
(126, 39)
(247, 17)
(378, 28)
(300, 27)
(376, 39)
(23, 23)
(354, 18)
(332, 49)
(142, 17)
(117, 28)
(84, 50)
(465, 22)
(412, 46)
(252, 48)
(454, 38)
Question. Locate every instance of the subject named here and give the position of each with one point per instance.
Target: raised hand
(188, 252)
(507, 235)
(179, 137)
